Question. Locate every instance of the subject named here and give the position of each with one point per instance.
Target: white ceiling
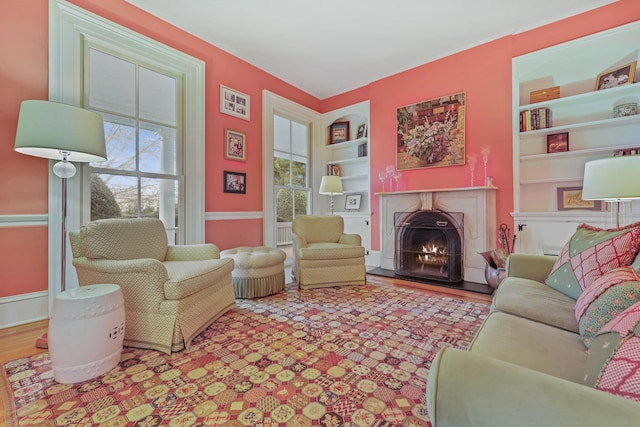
(327, 47)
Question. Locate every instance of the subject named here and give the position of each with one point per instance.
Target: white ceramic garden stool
(86, 331)
(258, 271)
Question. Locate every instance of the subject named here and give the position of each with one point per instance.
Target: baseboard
(25, 308)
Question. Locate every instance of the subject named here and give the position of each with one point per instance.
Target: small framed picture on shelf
(362, 131)
(558, 142)
(339, 132)
(571, 198)
(234, 103)
(617, 77)
(235, 182)
(235, 145)
(352, 202)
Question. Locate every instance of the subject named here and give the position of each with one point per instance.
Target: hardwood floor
(19, 341)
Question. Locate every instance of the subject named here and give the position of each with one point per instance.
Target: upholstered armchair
(171, 293)
(324, 255)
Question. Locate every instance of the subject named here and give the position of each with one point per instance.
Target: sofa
(529, 364)
(171, 292)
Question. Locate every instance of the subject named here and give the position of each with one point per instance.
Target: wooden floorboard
(19, 341)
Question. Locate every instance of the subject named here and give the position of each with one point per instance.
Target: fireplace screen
(429, 245)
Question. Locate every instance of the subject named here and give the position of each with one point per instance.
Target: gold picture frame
(619, 76)
(571, 198)
(431, 133)
(235, 147)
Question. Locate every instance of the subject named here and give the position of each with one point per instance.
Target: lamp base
(43, 341)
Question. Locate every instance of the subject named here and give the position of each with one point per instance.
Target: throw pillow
(613, 363)
(609, 304)
(589, 254)
(601, 284)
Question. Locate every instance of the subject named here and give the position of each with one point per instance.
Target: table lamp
(613, 179)
(61, 132)
(331, 185)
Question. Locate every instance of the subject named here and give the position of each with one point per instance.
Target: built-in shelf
(577, 153)
(347, 144)
(348, 161)
(583, 125)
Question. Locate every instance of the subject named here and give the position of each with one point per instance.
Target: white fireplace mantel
(478, 204)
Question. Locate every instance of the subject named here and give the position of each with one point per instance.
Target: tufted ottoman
(258, 272)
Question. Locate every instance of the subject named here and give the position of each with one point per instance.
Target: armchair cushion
(189, 277)
(124, 239)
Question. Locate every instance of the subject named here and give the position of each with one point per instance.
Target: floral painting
(431, 133)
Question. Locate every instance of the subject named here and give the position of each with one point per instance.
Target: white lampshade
(51, 130)
(612, 179)
(331, 185)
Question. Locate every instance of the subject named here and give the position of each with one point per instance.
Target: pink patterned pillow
(613, 364)
(589, 254)
(601, 284)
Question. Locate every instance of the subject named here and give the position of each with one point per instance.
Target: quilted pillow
(613, 364)
(609, 296)
(589, 254)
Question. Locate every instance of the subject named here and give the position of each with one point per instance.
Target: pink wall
(23, 184)
(483, 73)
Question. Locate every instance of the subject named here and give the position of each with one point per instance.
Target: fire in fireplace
(429, 245)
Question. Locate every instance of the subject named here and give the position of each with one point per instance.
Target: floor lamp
(612, 179)
(331, 185)
(60, 132)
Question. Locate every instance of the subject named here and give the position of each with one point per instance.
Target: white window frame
(276, 104)
(69, 26)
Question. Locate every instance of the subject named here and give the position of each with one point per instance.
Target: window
(72, 31)
(290, 169)
(140, 107)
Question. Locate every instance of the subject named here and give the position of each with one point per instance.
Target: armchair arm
(528, 266)
(141, 280)
(299, 242)
(350, 239)
(192, 252)
(468, 389)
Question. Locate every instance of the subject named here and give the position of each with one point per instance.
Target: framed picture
(234, 103)
(235, 147)
(339, 132)
(361, 131)
(235, 182)
(620, 76)
(571, 198)
(558, 142)
(352, 202)
(431, 133)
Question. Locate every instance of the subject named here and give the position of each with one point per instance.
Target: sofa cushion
(606, 298)
(590, 253)
(533, 345)
(536, 301)
(613, 364)
(124, 239)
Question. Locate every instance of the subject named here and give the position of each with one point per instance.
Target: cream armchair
(324, 255)
(171, 293)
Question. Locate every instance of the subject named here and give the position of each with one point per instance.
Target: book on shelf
(333, 170)
(362, 150)
(537, 118)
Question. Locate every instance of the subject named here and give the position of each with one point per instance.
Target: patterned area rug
(344, 356)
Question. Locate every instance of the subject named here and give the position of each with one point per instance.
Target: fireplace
(429, 245)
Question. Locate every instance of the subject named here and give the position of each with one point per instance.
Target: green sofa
(525, 366)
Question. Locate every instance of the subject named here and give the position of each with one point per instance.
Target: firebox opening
(429, 245)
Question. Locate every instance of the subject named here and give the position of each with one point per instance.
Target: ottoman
(258, 272)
